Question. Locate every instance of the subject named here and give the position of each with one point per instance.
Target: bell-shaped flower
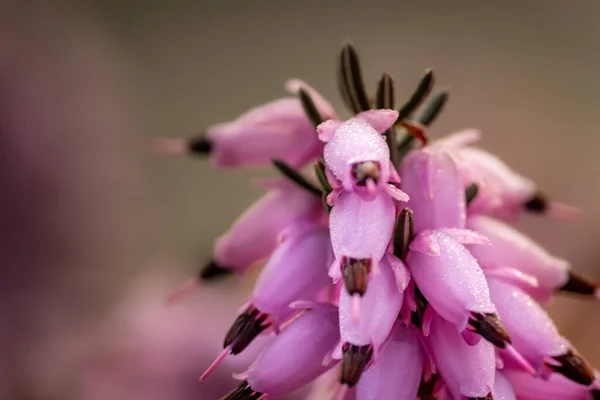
(357, 155)
(296, 271)
(535, 336)
(295, 357)
(276, 130)
(467, 370)
(397, 373)
(512, 250)
(437, 195)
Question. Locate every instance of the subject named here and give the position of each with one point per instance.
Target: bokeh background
(96, 229)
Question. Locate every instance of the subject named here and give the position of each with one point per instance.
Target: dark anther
(213, 271)
(537, 204)
(199, 145)
(310, 109)
(579, 284)
(355, 273)
(427, 387)
(595, 394)
(242, 392)
(490, 328)
(362, 171)
(416, 317)
(574, 367)
(420, 93)
(433, 107)
(350, 80)
(245, 328)
(385, 100)
(471, 192)
(488, 397)
(295, 177)
(354, 360)
(403, 233)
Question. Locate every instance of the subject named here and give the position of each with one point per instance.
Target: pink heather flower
(467, 370)
(503, 389)
(296, 271)
(555, 387)
(437, 196)
(511, 250)
(449, 278)
(370, 326)
(396, 375)
(276, 130)
(534, 335)
(295, 357)
(360, 234)
(254, 236)
(502, 192)
(357, 154)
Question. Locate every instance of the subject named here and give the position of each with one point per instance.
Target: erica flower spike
(391, 276)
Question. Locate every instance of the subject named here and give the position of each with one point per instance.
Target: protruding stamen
(417, 316)
(403, 233)
(185, 290)
(246, 327)
(215, 363)
(518, 357)
(199, 145)
(296, 177)
(417, 97)
(471, 193)
(490, 328)
(243, 392)
(540, 204)
(350, 80)
(537, 204)
(574, 367)
(212, 271)
(354, 360)
(579, 284)
(355, 273)
(170, 146)
(366, 171)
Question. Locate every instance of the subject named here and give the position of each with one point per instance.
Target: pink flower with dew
(535, 336)
(437, 196)
(375, 318)
(502, 192)
(296, 271)
(276, 130)
(396, 375)
(467, 370)
(503, 389)
(360, 233)
(358, 156)
(449, 277)
(512, 251)
(555, 387)
(295, 357)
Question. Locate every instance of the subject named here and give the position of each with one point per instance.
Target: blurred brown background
(97, 229)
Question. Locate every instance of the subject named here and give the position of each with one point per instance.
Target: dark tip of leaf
(433, 107)
(350, 80)
(471, 192)
(295, 176)
(310, 108)
(403, 233)
(421, 92)
(320, 171)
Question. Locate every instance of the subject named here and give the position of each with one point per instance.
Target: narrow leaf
(433, 107)
(421, 92)
(385, 100)
(350, 80)
(310, 108)
(320, 171)
(295, 176)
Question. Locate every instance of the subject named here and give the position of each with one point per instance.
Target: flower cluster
(391, 263)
